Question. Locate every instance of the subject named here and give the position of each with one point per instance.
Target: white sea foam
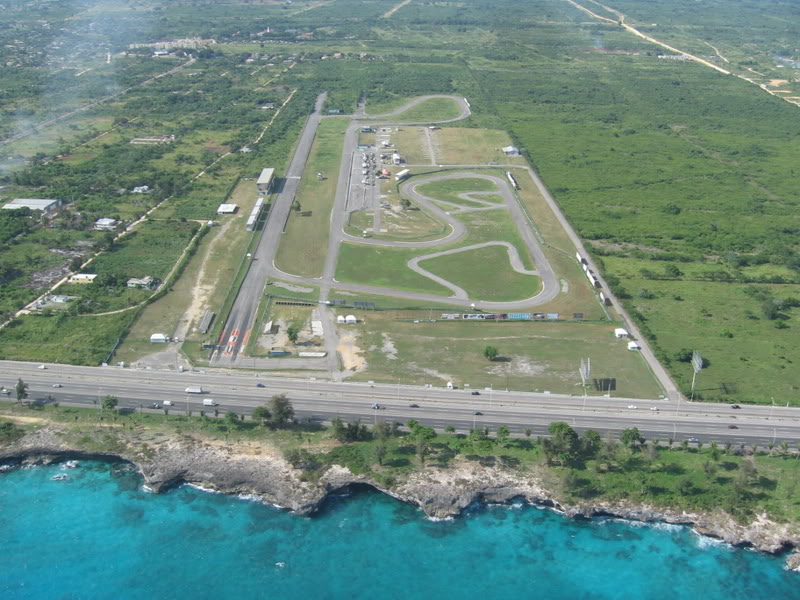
(438, 519)
(703, 542)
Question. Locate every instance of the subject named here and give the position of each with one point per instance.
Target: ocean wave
(704, 541)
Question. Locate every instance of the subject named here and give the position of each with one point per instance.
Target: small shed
(82, 278)
(620, 332)
(350, 319)
(634, 346)
(340, 319)
(159, 338)
(227, 209)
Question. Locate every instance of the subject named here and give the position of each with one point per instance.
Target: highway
(322, 400)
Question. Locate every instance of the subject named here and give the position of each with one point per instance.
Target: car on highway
(476, 393)
(42, 367)
(735, 406)
(632, 406)
(654, 408)
(693, 440)
(167, 402)
(57, 385)
(733, 427)
(5, 391)
(413, 406)
(478, 413)
(377, 407)
(260, 385)
(155, 405)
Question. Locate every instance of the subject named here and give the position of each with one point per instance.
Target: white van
(209, 402)
(167, 402)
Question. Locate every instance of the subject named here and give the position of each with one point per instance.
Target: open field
(383, 267)
(464, 146)
(538, 356)
(410, 143)
(303, 246)
(485, 274)
(433, 109)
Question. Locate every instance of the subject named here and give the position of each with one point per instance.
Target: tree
(685, 487)
(282, 410)
(380, 452)
(232, 419)
(450, 429)
(564, 440)
(503, 433)
(710, 469)
(591, 443)
(381, 430)
(293, 332)
(528, 432)
(263, 414)
(632, 438)
(490, 353)
(22, 390)
(110, 403)
(672, 271)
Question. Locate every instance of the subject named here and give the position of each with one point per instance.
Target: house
(350, 319)
(159, 338)
(82, 278)
(620, 332)
(142, 282)
(511, 151)
(264, 182)
(140, 189)
(227, 209)
(46, 205)
(634, 346)
(105, 224)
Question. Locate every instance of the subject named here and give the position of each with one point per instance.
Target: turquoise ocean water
(99, 535)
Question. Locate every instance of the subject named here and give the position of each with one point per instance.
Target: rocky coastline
(439, 493)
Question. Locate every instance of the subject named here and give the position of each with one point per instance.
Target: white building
(45, 205)
(159, 338)
(105, 224)
(141, 282)
(82, 278)
(227, 209)
(620, 332)
(264, 182)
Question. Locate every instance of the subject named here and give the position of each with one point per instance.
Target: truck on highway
(209, 402)
(194, 389)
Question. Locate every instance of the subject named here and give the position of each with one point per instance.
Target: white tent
(159, 338)
(350, 319)
(634, 346)
(620, 333)
(340, 319)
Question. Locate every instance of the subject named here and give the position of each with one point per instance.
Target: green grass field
(485, 274)
(464, 146)
(433, 109)
(449, 190)
(536, 356)
(383, 267)
(305, 243)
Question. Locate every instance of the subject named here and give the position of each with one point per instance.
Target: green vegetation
(450, 189)
(383, 267)
(304, 245)
(430, 110)
(536, 356)
(485, 274)
(576, 466)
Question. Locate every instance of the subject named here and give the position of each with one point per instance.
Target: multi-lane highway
(438, 407)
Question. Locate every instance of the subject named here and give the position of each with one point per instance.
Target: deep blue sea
(99, 535)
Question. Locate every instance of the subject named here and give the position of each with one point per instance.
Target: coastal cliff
(251, 470)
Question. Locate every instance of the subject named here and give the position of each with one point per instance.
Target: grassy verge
(433, 109)
(304, 245)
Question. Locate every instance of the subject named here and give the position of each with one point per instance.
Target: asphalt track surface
(438, 407)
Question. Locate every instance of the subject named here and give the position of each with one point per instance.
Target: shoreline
(440, 494)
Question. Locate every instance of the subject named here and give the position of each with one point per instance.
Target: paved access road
(438, 407)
